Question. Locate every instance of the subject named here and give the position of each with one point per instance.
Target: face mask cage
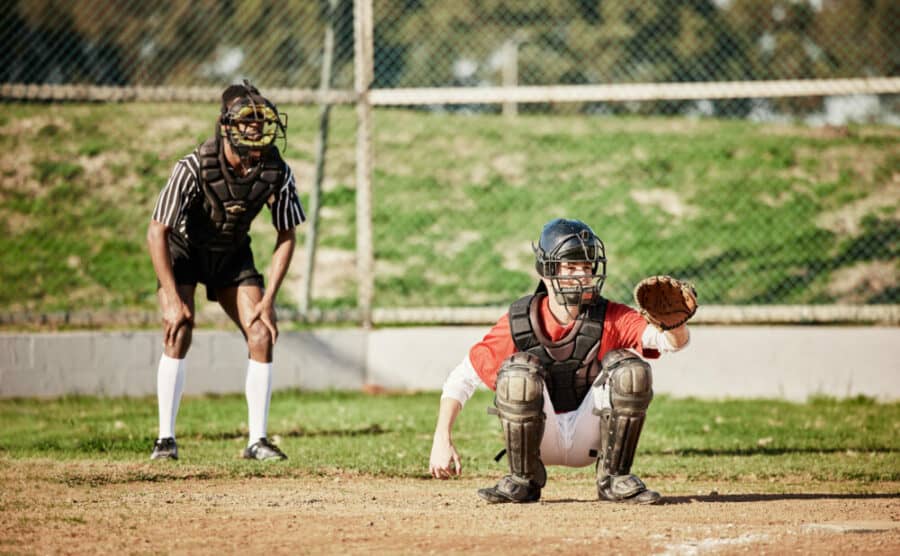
(253, 125)
(576, 289)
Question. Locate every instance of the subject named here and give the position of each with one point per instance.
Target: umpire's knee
(259, 338)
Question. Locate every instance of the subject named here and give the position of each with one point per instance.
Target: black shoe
(263, 450)
(511, 489)
(165, 448)
(627, 489)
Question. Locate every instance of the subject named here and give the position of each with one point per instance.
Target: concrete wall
(789, 362)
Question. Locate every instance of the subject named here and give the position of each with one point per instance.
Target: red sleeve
(487, 354)
(623, 328)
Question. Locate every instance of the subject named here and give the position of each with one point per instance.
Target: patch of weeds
(49, 130)
(341, 195)
(46, 170)
(92, 147)
(87, 126)
(109, 444)
(858, 400)
(119, 171)
(149, 163)
(340, 302)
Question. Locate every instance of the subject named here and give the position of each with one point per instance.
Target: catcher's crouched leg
(630, 391)
(519, 401)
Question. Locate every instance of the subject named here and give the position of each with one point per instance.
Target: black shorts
(214, 269)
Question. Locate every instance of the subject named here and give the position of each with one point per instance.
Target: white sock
(259, 392)
(169, 385)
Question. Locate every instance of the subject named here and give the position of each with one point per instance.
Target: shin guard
(630, 391)
(520, 400)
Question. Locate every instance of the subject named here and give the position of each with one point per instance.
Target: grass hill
(752, 213)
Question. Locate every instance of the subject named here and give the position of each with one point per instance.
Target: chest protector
(570, 363)
(220, 218)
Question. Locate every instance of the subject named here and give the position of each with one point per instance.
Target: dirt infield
(49, 507)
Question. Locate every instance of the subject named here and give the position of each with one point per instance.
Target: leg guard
(519, 401)
(630, 391)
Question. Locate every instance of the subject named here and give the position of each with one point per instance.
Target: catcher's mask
(249, 121)
(571, 241)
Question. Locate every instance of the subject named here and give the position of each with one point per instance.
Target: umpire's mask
(249, 121)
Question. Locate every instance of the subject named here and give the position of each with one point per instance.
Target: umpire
(199, 234)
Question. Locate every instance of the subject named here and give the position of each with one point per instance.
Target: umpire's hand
(175, 315)
(264, 311)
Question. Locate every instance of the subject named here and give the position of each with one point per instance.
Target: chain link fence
(769, 198)
(581, 42)
(427, 43)
(177, 43)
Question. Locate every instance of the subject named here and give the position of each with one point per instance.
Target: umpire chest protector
(571, 362)
(220, 219)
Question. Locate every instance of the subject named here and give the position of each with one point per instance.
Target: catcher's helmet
(249, 121)
(571, 241)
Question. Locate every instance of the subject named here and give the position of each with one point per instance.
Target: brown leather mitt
(665, 302)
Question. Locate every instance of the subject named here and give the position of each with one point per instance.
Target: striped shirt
(183, 187)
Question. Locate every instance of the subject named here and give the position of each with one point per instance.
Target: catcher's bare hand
(444, 462)
(666, 302)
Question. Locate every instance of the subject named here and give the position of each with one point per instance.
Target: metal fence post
(363, 76)
(510, 73)
(321, 149)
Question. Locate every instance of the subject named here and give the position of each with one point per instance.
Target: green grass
(390, 435)
(752, 213)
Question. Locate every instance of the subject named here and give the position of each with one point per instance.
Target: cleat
(263, 450)
(510, 490)
(165, 448)
(627, 489)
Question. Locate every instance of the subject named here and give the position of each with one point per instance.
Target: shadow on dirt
(374, 429)
(767, 451)
(725, 498)
(728, 498)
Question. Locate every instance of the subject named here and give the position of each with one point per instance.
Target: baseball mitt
(666, 302)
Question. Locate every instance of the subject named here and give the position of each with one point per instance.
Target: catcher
(567, 367)
(199, 233)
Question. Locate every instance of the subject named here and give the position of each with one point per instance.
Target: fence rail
(625, 92)
(635, 92)
(96, 93)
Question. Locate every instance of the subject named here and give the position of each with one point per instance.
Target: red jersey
(622, 328)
